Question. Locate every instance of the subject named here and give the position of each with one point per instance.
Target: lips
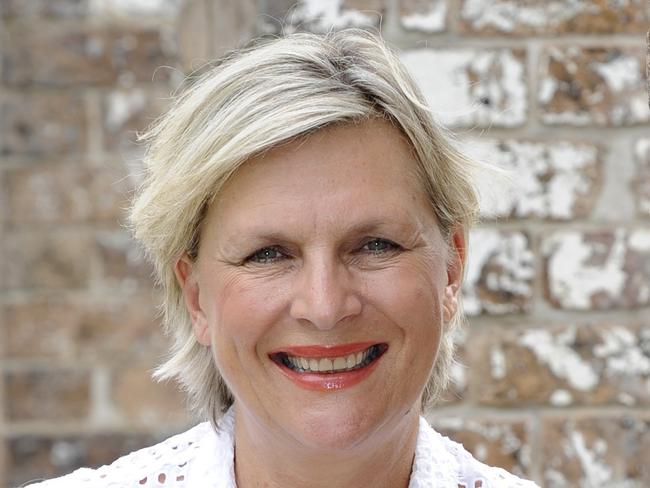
(324, 367)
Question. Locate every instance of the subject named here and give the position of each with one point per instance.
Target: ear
(186, 276)
(455, 263)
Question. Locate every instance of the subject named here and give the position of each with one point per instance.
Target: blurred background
(554, 374)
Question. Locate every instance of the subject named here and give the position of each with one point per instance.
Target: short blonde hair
(259, 97)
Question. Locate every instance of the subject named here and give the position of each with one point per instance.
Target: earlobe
(450, 302)
(187, 280)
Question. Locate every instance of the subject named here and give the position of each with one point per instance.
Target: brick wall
(555, 375)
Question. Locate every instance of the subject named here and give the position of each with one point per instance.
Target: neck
(267, 459)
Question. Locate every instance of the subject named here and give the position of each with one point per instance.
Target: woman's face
(322, 284)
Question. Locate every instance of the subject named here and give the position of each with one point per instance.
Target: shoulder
(170, 462)
(458, 464)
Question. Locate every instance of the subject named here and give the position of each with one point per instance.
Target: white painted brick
(545, 180)
(598, 270)
(499, 272)
(423, 15)
(325, 15)
(578, 365)
(593, 86)
(467, 88)
(553, 17)
(641, 182)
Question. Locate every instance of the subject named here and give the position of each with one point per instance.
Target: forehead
(372, 150)
(366, 168)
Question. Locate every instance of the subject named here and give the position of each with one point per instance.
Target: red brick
(496, 442)
(53, 259)
(35, 457)
(113, 328)
(142, 401)
(4, 463)
(33, 123)
(588, 365)
(596, 451)
(553, 17)
(598, 270)
(127, 113)
(457, 388)
(499, 272)
(66, 193)
(56, 57)
(47, 394)
(59, 9)
(593, 86)
(233, 24)
(423, 15)
(122, 261)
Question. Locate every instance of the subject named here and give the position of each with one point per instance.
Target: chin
(338, 425)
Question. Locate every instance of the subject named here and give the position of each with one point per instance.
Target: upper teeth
(329, 364)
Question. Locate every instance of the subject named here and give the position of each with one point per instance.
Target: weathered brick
(598, 270)
(60, 9)
(34, 457)
(113, 328)
(142, 401)
(470, 88)
(496, 442)
(554, 17)
(122, 261)
(546, 180)
(52, 394)
(127, 113)
(49, 260)
(4, 462)
(320, 16)
(194, 33)
(104, 10)
(132, 11)
(596, 451)
(54, 57)
(234, 23)
(41, 124)
(65, 193)
(499, 272)
(641, 181)
(459, 371)
(592, 364)
(595, 85)
(423, 15)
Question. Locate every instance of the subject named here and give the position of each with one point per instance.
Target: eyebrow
(375, 225)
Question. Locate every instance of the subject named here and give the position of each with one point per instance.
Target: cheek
(410, 296)
(243, 309)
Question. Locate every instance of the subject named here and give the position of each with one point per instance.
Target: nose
(324, 293)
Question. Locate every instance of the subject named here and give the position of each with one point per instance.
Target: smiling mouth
(331, 365)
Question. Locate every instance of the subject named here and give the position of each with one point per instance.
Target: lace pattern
(439, 461)
(201, 457)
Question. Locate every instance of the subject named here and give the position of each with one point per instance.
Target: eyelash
(264, 260)
(391, 246)
(257, 257)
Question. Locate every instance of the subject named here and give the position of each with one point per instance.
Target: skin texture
(327, 240)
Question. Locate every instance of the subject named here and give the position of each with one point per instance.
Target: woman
(308, 224)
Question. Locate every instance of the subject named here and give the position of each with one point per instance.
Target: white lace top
(200, 457)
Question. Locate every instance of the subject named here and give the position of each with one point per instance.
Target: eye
(266, 255)
(379, 246)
